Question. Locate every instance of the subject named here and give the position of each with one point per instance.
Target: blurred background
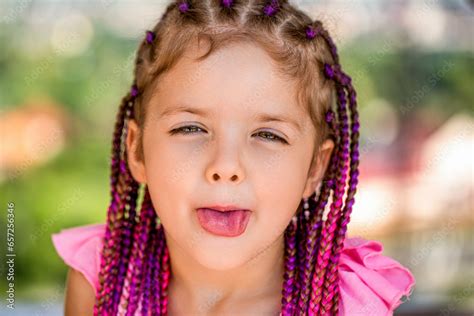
(65, 65)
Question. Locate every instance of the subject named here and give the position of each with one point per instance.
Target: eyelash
(181, 130)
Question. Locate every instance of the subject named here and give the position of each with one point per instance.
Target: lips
(225, 208)
(225, 221)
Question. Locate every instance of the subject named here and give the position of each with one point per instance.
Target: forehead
(240, 77)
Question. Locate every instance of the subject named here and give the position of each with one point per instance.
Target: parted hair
(135, 264)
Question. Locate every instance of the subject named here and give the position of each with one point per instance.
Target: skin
(80, 296)
(227, 158)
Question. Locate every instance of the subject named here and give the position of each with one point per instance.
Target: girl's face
(226, 131)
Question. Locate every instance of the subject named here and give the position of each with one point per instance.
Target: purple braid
(331, 282)
(301, 235)
(141, 247)
(164, 277)
(150, 268)
(117, 229)
(316, 222)
(330, 225)
(346, 93)
(127, 227)
(290, 265)
(155, 303)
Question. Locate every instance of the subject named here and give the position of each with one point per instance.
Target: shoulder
(79, 296)
(370, 282)
(80, 248)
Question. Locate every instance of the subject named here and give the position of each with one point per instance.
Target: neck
(258, 280)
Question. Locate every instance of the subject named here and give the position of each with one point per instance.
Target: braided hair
(135, 267)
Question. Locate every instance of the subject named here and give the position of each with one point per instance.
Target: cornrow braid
(135, 264)
(188, 11)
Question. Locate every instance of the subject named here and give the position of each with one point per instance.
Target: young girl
(239, 128)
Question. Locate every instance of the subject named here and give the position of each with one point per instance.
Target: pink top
(369, 282)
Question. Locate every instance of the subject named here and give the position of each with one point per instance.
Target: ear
(135, 161)
(318, 167)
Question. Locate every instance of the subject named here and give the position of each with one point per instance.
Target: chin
(219, 260)
(221, 253)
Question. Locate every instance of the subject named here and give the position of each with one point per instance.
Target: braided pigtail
(290, 267)
(325, 293)
(304, 32)
(120, 219)
(140, 251)
(314, 228)
(154, 300)
(149, 268)
(301, 234)
(332, 279)
(124, 245)
(330, 225)
(317, 255)
(164, 276)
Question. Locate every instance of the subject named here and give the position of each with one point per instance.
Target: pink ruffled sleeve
(369, 282)
(80, 248)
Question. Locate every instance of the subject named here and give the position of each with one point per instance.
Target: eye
(192, 129)
(271, 137)
(189, 129)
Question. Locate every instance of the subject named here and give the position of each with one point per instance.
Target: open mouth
(227, 223)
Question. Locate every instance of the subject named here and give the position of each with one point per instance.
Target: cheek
(280, 185)
(169, 162)
(171, 175)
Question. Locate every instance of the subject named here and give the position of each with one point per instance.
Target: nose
(216, 177)
(225, 165)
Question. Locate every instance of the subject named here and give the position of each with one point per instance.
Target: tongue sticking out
(228, 224)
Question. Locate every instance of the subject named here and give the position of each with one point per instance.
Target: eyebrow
(264, 118)
(183, 108)
(261, 117)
